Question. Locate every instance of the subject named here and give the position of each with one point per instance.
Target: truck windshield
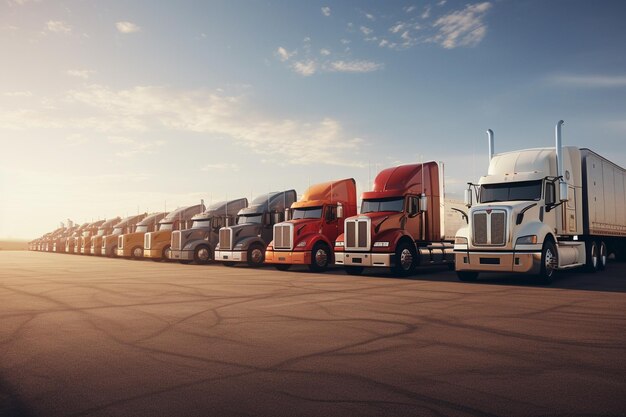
(166, 226)
(142, 228)
(117, 231)
(382, 204)
(86, 234)
(515, 191)
(307, 213)
(250, 218)
(197, 224)
(101, 232)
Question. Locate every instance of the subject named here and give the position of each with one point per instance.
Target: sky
(108, 108)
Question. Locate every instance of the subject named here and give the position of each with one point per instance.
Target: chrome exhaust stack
(491, 144)
(563, 187)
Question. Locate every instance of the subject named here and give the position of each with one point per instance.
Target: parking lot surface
(90, 336)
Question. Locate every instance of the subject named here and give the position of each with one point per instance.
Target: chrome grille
(282, 236)
(226, 238)
(480, 228)
(147, 240)
(176, 240)
(498, 223)
(489, 228)
(357, 234)
(120, 242)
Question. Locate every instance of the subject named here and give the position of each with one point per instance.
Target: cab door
(330, 223)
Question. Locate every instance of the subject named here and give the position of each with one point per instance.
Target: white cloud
(76, 139)
(345, 41)
(18, 94)
(409, 9)
(397, 27)
(355, 66)
(324, 52)
(283, 54)
(58, 26)
(602, 81)
(366, 31)
(462, 27)
(220, 167)
(305, 68)
(84, 74)
(127, 27)
(370, 16)
(326, 11)
(129, 147)
(426, 13)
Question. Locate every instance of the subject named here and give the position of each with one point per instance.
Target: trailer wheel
(549, 262)
(320, 256)
(282, 267)
(467, 276)
(202, 255)
(354, 270)
(591, 263)
(602, 255)
(405, 258)
(256, 255)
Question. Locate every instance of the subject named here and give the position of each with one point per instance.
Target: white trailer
(541, 210)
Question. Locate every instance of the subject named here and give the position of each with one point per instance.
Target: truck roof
(111, 222)
(184, 213)
(152, 218)
(97, 223)
(273, 201)
(342, 191)
(223, 208)
(130, 220)
(405, 179)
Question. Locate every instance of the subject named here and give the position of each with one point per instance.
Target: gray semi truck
(247, 240)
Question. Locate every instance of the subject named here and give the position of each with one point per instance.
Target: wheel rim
(603, 254)
(321, 257)
(406, 259)
(256, 255)
(550, 262)
(594, 255)
(203, 254)
(138, 252)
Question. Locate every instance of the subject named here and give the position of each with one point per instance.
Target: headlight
(526, 240)
(381, 244)
(339, 244)
(301, 244)
(460, 240)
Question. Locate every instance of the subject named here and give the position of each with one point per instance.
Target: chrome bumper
(363, 259)
(180, 255)
(231, 256)
(524, 262)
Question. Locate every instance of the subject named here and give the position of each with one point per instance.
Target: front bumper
(288, 258)
(122, 253)
(153, 253)
(363, 259)
(180, 255)
(231, 256)
(524, 262)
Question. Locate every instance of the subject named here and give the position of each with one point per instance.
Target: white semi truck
(542, 210)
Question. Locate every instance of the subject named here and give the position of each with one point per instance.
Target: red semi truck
(316, 221)
(405, 222)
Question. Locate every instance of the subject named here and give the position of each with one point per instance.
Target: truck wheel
(591, 263)
(202, 255)
(256, 255)
(137, 252)
(113, 253)
(467, 276)
(165, 253)
(320, 256)
(549, 262)
(405, 260)
(354, 270)
(602, 255)
(282, 267)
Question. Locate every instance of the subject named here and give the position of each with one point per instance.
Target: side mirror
(468, 198)
(563, 191)
(339, 210)
(423, 203)
(550, 197)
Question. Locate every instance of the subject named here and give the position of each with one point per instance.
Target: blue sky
(107, 107)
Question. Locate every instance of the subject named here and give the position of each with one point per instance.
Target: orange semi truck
(72, 244)
(130, 245)
(105, 229)
(316, 220)
(109, 242)
(404, 222)
(157, 244)
(84, 245)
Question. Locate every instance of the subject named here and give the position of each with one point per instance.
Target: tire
(202, 255)
(467, 276)
(136, 253)
(405, 260)
(602, 256)
(354, 270)
(549, 263)
(113, 253)
(320, 257)
(592, 259)
(282, 267)
(256, 255)
(164, 253)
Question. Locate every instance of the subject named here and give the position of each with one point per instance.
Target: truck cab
(88, 233)
(127, 225)
(316, 221)
(198, 243)
(72, 243)
(157, 244)
(130, 245)
(61, 241)
(403, 223)
(247, 240)
(105, 229)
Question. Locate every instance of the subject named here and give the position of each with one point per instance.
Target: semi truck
(157, 244)
(247, 240)
(88, 233)
(110, 242)
(105, 229)
(405, 222)
(72, 243)
(52, 239)
(130, 245)
(315, 221)
(198, 243)
(541, 210)
(59, 242)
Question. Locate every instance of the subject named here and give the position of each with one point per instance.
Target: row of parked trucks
(536, 211)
